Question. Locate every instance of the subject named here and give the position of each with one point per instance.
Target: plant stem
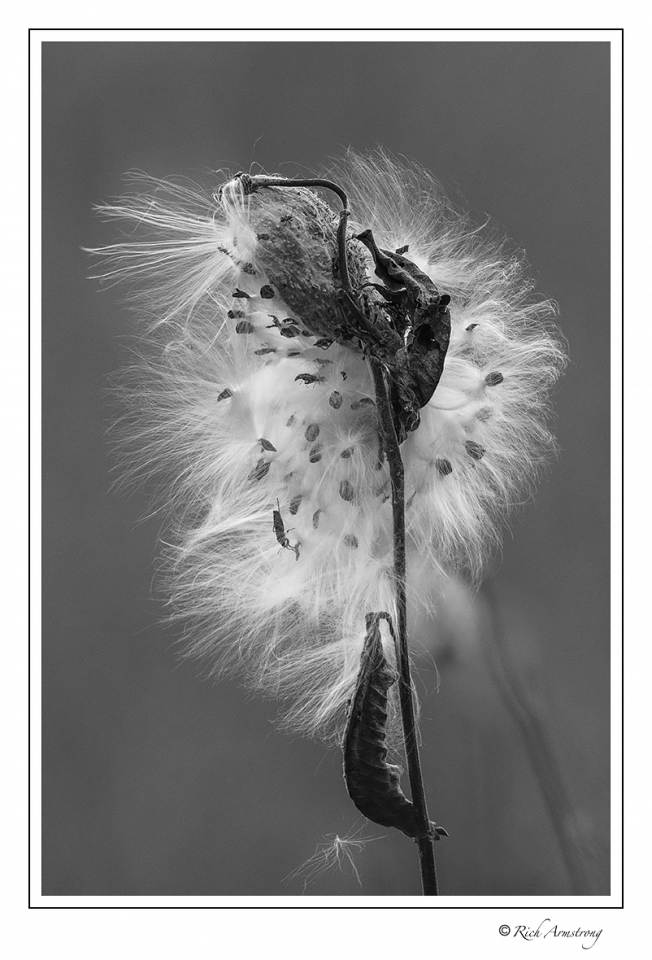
(425, 842)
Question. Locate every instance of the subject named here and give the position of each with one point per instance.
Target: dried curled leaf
(373, 783)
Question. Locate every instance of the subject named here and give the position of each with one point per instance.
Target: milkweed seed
(315, 453)
(364, 402)
(259, 471)
(309, 378)
(295, 503)
(267, 445)
(312, 432)
(471, 327)
(234, 314)
(444, 300)
(240, 294)
(315, 519)
(323, 344)
(474, 450)
(290, 420)
(289, 331)
(351, 541)
(267, 292)
(262, 236)
(347, 454)
(244, 326)
(346, 490)
(493, 379)
(225, 394)
(403, 249)
(484, 413)
(249, 268)
(264, 350)
(444, 466)
(293, 353)
(335, 399)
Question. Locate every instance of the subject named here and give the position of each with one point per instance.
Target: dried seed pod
(372, 783)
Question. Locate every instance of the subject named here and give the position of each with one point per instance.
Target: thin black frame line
(620, 906)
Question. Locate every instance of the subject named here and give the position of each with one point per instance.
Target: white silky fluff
(201, 397)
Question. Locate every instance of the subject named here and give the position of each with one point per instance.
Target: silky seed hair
(239, 404)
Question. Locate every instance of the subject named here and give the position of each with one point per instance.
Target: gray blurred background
(158, 782)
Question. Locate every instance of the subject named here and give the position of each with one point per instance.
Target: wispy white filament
(235, 410)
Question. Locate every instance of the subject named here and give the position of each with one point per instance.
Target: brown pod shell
(372, 783)
(299, 257)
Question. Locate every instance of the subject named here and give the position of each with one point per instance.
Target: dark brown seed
(344, 374)
(293, 353)
(234, 314)
(249, 268)
(346, 490)
(403, 249)
(240, 295)
(335, 399)
(474, 450)
(259, 471)
(351, 541)
(308, 378)
(267, 292)
(244, 326)
(289, 331)
(267, 445)
(315, 453)
(444, 466)
(225, 394)
(295, 503)
(347, 454)
(444, 300)
(264, 350)
(312, 432)
(315, 519)
(471, 327)
(323, 344)
(493, 379)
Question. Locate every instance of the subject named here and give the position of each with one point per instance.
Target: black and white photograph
(327, 342)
